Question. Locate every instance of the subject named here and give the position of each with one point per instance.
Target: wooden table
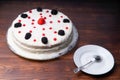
(97, 23)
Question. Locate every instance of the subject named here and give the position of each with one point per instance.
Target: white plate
(40, 56)
(85, 53)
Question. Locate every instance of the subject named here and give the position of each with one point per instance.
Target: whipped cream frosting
(42, 28)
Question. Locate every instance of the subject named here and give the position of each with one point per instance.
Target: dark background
(97, 23)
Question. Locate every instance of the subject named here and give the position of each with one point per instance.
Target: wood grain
(97, 23)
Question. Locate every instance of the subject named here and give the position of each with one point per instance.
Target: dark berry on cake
(61, 32)
(27, 36)
(39, 9)
(66, 20)
(44, 40)
(54, 12)
(24, 15)
(16, 25)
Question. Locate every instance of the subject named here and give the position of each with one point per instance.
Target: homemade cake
(41, 34)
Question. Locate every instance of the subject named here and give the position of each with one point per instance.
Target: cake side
(43, 49)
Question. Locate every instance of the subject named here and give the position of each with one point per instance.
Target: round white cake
(42, 34)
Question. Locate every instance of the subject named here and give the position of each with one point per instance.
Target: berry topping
(30, 11)
(61, 16)
(50, 15)
(44, 40)
(43, 28)
(29, 17)
(47, 11)
(24, 25)
(44, 17)
(40, 13)
(34, 40)
(50, 28)
(34, 27)
(16, 25)
(30, 31)
(61, 32)
(19, 31)
(39, 9)
(32, 23)
(58, 21)
(19, 21)
(24, 15)
(55, 32)
(51, 22)
(66, 27)
(43, 34)
(66, 20)
(41, 21)
(55, 39)
(27, 36)
(33, 20)
(54, 12)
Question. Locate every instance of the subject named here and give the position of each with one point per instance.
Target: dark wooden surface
(97, 23)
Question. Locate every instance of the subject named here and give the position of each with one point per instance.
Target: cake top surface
(42, 27)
